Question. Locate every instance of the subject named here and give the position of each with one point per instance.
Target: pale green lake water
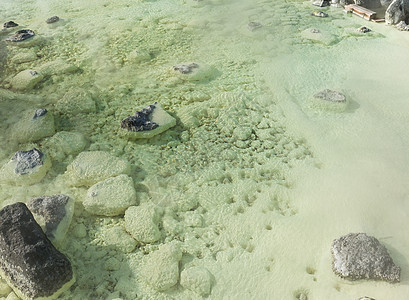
(270, 202)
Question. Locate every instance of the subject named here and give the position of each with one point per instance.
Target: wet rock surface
(364, 29)
(10, 24)
(27, 160)
(21, 35)
(397, 11)
(359, 256)
(31, 265)
(39, 113)
(26, 80)
(52, 210)
(330, 95)
(33, 126)
(141, 121)
(53, 19)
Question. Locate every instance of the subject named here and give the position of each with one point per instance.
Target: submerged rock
(29, 262)
(53, 19)
(148, 122)
(33, 126)
(76, 101)
(161, 269)
(186, 68)
(359, 256)
(319, 14)
(64, 143)
(253, 26)
(111, 197)
(27, 160)
(10, 24)
(196, 279)
(26, 80)
(21, 35)
(330, 95)
(53, 214)
(90, 167)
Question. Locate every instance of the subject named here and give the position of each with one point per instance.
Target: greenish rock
(26, 80)
(142, 223)
(33, 126)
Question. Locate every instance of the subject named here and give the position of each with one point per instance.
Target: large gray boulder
(397, 11)
(359, 256)
(29, 262)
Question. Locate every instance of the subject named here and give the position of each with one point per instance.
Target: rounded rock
(196, 279)
(142, 223)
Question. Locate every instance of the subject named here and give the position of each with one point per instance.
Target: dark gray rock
(330, 95)
(39, 113)
(51, 209)
(320, 3)
(141, 121)
(185, 69)
(21, 35)
(402, 26)
(372, 4)
(31, 264)
(53, 19)
(397, 11)
(359, 256)
(27, 160)
(10, 24)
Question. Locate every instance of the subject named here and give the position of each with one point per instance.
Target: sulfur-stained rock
(29, 262)
(161, 269)
(57, 67)
(33, 126)
(147, 122)
(196, 279)
(117, 237)
(111, 197)
(26, 80)
(142, 223)
(359, 256)
(25, 167)
(65, 143)
(53, 214)
(76, 101)
(195, 72)
(90, 167)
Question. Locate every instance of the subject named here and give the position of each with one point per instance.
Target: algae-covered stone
(65, 143)
(161, 269)
(148, 122)
(53, 214)
(76, 101)
(142, 223)
(29, 262)
(57, 67)
(26, 80)
(196, 279)
(111, 197)
(117, 237)
(359, 256)
(138, 55)
(319, 36)
(25, 167)
(90, 167)
(33, 126)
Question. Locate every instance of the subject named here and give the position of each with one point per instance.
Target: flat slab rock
(359, 256)
(29, 262)
(331, 96)
(53, 214)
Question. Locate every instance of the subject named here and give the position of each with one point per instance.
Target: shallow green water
(271, 178)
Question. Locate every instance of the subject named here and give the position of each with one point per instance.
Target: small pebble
(186, 69)
(314, 31)
(253, 26)
(319, 14)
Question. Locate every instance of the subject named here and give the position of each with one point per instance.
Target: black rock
(141, 121)
(10, 24)
(185, 69)
(359, 256)
(27, 160)
(27, 257)
(51, 209)
(363, 29)
(39, 113)
(52, 20)
(21, 35)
